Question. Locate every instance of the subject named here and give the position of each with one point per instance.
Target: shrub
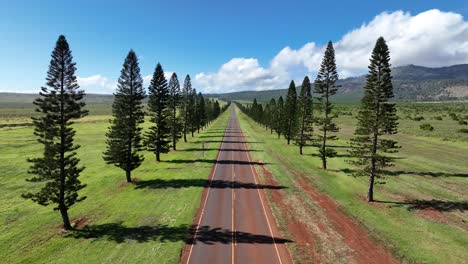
(453, 116)
(462, 122)
(426, 126)
(438, 118)
(463, 130)
(418, 118)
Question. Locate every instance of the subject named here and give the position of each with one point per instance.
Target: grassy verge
(144, 222)
(423, 210)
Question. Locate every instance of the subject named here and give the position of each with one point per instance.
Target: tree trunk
(174, 133)
(62, 207)
(128, 173)
(323, 149)
(301, 143)
(66, 220)
(185, 131)
(370, 191)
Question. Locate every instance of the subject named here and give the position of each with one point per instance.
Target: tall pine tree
(325, 88)
(290, 113)
(158, 137)
(187, 105)
(174, 103)
(59, 102)
(273, 114)
(279, 117)
(376, 120)
(306, 121)
(193, 114)
(124, 135)
(201, 110)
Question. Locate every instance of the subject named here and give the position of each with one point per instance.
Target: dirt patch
(124, 183)
(304, 239)
(365, 250)
(80, 222)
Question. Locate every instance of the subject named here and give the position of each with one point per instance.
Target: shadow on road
(210, 236)
(213, 161)
(119, 233)
(228, 141)
(185, 183)
(223, 149)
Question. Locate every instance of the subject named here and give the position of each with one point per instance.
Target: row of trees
(295, 117)
(172, 112)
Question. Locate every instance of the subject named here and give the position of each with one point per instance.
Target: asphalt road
(234, 223)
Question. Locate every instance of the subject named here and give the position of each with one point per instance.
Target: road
(234, 223)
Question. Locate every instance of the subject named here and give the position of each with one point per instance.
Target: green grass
(428, 168)
(145, 222)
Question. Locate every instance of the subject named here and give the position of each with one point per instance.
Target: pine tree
(174, 103)
(216, 109)
(158, 137)
(279, 116)
(124, 135)
(187, 106)
(193, 114)
(290, 112)
(201, 112)
(273, 114)
(377, 117)
(305, 115)
(325, 87)
(59, 102)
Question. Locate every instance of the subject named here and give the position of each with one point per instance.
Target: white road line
(206, 198)
(259, 196)
(233, 228)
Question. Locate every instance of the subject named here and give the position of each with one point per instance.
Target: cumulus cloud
(97, 83)
(432, 38)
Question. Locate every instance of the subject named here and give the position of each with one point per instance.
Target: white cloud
(432, 38)
(97, 83)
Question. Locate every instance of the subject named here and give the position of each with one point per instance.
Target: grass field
(147, 221)
(421, 217)
(422, 211)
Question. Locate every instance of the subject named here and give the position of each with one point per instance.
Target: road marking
(259, 196)
(233, 228)
(206, 198)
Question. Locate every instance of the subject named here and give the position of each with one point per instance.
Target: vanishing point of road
(234, 223)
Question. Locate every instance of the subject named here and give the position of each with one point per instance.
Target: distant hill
(411, 83)
(23, 98)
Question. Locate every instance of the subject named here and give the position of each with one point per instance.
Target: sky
(224, 46)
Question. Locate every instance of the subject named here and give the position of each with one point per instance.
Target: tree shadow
(225, 136)
(210, 236)
(213, 161)
(438, 205)
(417, 173)
(223, 149)
(335, 156)
(227, 141)
(119, 233)
(185, 183)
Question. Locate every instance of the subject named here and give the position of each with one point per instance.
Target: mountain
(410, 82)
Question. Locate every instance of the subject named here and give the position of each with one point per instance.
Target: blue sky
(223, 45)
